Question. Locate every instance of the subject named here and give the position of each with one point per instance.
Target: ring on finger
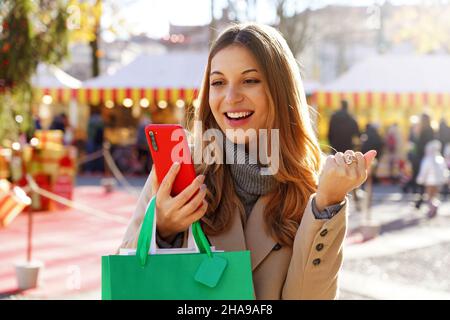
(349, 159)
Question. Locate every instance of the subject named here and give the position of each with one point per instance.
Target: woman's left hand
(339, 178)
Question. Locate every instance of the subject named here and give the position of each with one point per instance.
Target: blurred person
(443, 133)
(433, 175)
(343, 129)
(445, 189)
(252, 82)
(59, 122)
(37, 122)
(95, 139)
(143, 156)
(68, 131)
(412, 156)
(393, 142)
(405, 174)
(426, 134)
(69, 135)
(371, 140)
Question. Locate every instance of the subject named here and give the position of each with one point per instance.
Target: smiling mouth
(238, 115)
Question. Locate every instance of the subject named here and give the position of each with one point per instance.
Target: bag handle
(147, 235)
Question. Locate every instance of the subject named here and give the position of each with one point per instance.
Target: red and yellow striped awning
(381, 99)
(117, 95)
(380, 107)
(324, 100)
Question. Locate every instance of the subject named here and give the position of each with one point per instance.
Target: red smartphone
(168, 144)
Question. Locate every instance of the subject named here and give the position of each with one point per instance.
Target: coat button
(277, 247)
(324, 232)
(316, 262)
(319, 247)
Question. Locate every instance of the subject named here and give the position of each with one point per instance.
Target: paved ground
(69, 242)
(408, 260)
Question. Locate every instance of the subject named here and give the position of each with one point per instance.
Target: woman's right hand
(176, 214)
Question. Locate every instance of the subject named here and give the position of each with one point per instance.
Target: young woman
(294, 221)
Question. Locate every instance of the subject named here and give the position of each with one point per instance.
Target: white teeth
(237, 115)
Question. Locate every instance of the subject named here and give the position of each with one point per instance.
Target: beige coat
(309, 270)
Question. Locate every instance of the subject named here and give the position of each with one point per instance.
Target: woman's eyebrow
(243, 72)
(249, 70)
(216, 72)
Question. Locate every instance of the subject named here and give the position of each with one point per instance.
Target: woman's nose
(233, 95)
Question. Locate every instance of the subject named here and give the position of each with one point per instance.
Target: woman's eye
(216, 83)
(252, 81)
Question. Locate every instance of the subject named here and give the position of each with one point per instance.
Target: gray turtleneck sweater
(249, 183)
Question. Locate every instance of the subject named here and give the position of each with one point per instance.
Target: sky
(152, 17)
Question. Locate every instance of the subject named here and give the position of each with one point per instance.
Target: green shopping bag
(176, 276)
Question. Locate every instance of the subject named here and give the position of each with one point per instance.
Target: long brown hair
(300, 155)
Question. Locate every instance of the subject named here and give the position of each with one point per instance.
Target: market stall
(51, 80)
(169, 77)
(55, 93)
(160, 86)
(389, 89)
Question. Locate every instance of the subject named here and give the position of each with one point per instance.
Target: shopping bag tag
(211, 270)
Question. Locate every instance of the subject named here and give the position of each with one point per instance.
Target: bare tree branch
(295, 28)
